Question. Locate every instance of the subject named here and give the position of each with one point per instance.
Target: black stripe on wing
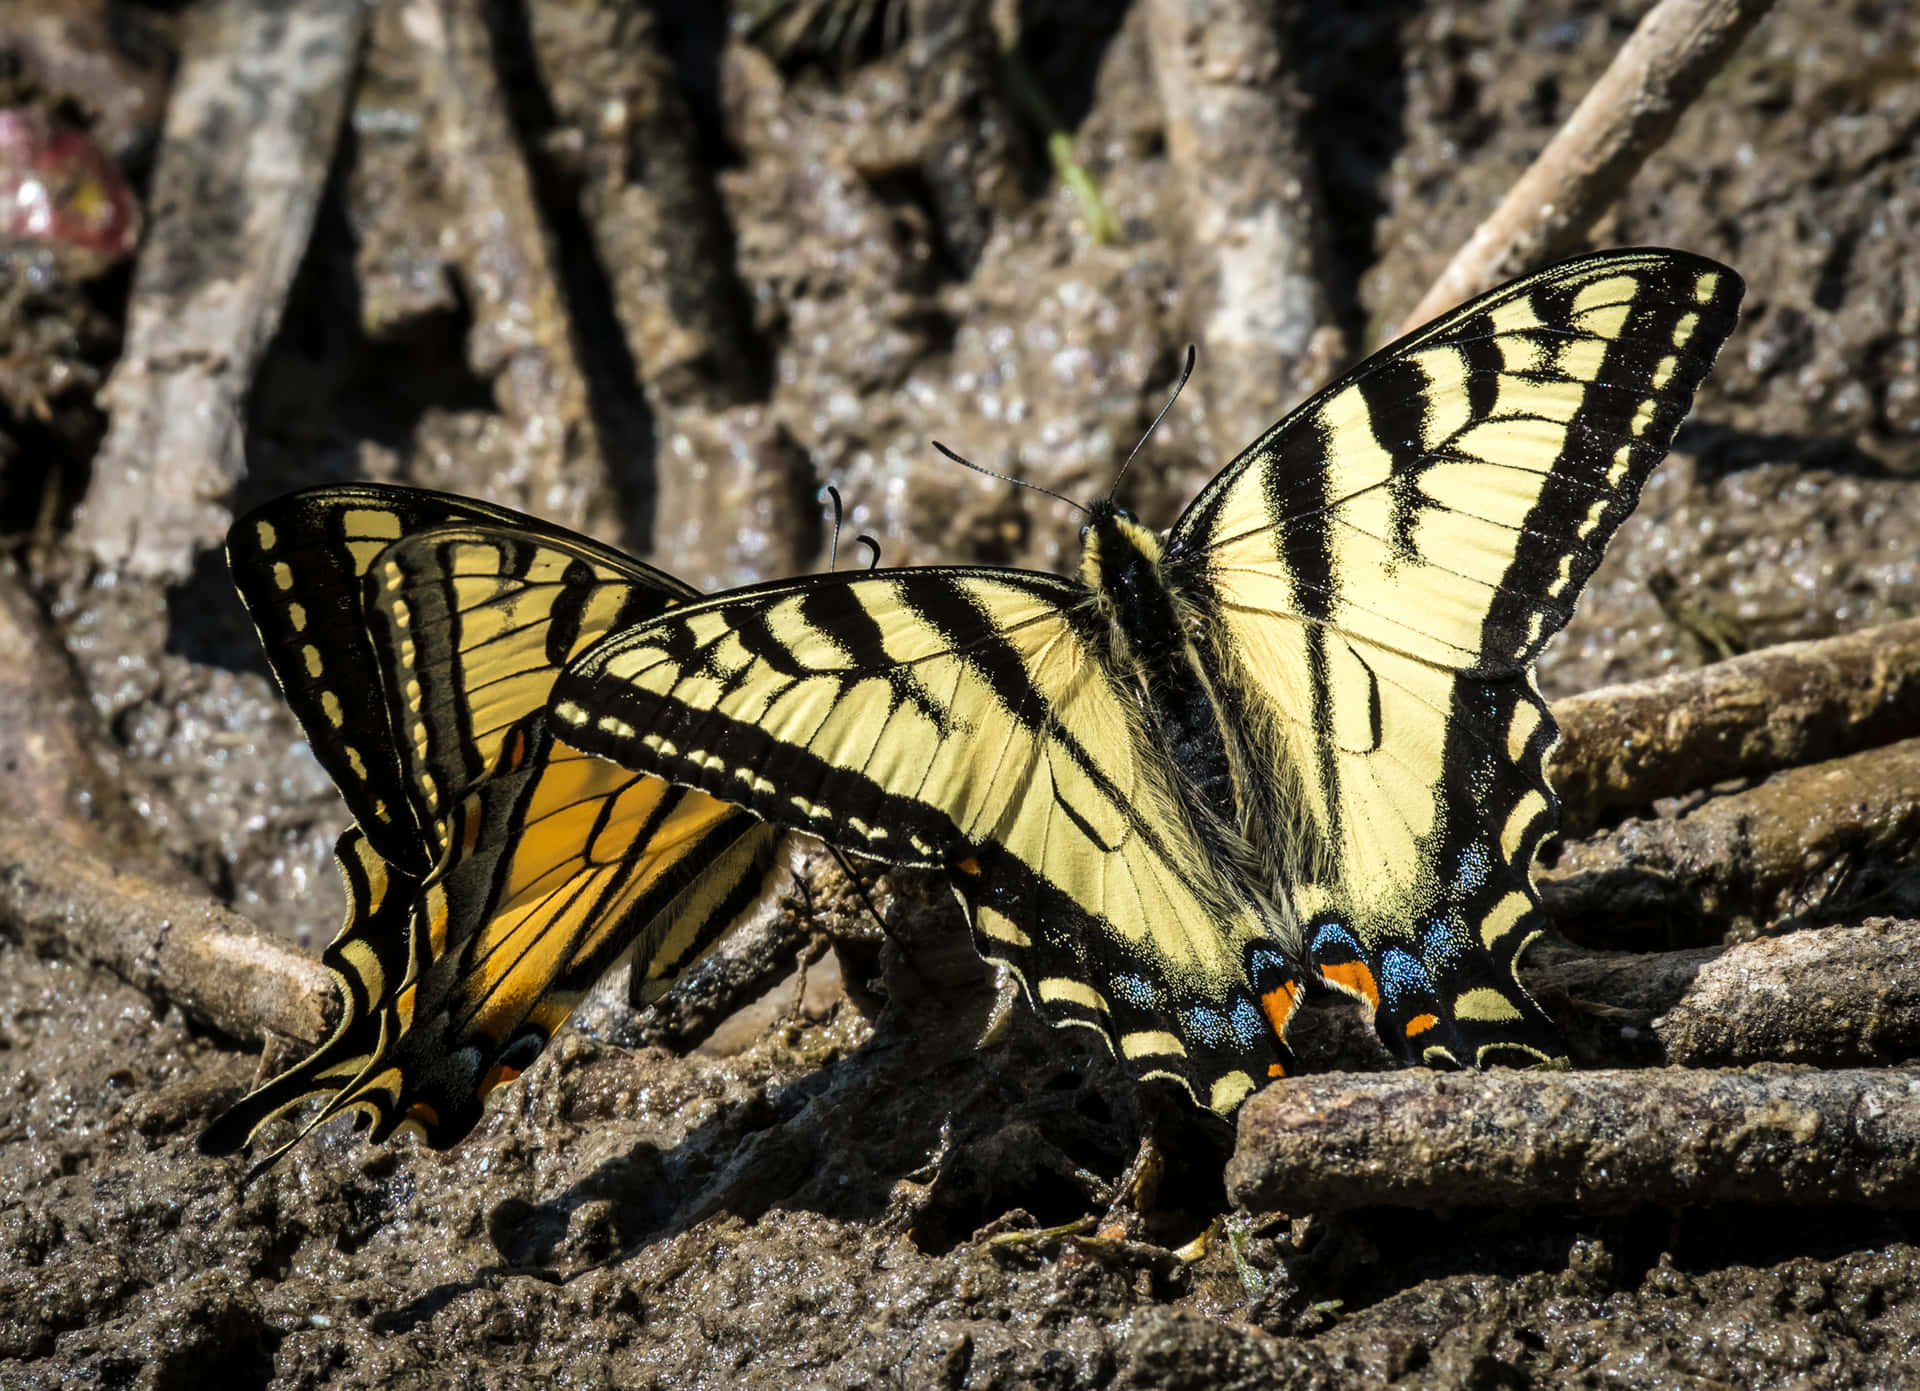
(369, 959)
(1679, 311)
(781, 778)
(468, 636)
(301, 564)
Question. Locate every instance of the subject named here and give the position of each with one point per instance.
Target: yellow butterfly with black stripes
(494, 873)
(1297, 737)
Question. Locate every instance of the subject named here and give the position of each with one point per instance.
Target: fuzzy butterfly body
(1300, 736)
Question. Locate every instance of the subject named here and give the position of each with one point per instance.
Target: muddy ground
(811, 1203)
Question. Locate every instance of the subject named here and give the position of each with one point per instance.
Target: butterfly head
(1120, 555)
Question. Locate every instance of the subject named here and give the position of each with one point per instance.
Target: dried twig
(1626, 117)
(1626, 746)
(254, 117)
(754, 957)
(176, 942)
(1603, 1140)
(1253, 242)
(82, 874)
(1747, 859)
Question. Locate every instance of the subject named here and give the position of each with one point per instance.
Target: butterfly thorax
(1121, 566)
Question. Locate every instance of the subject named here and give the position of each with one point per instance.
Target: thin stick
(1628, 115)
(176, 942)
(65, 772)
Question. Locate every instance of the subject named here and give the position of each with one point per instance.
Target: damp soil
(821, 1198)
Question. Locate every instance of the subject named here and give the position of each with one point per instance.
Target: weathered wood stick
(65, 773)
(523, 337)
(1628, 115)
(1834, 996)
(1628, 745)
(1254, 243)
(255, 114)
(1745, 860)
(175, 942)
(1601, 1140)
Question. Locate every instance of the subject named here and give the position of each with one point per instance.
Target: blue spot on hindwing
(1443, 941)
(1471, 868)
(1207, 1024)
(1403, 978)
(1334, 943)
(1249, 1024)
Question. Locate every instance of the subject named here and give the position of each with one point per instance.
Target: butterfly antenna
(839, 514)
(1178, 387)
(1005, 478)
(872, 545)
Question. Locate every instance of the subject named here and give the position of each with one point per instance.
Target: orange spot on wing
(1354, 978)
(968, 866)
(1420, 1023)
(1279, 1005)
(1275, 1070)
(422, 1114)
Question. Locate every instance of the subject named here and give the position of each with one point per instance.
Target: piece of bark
(173, 942)
(1600, 1140)
(1629, 745)
(523, 338)
(1834, 996)
(1741, 861)
(1628, 114)
(250, 135)
(966, 131)
(1252, 242)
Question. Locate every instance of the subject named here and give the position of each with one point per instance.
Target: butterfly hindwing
(568, 864)
(369, 956)
(1381, 571)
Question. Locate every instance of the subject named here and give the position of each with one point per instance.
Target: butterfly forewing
(1381, 570)
(472, 623)
(300, 563)
(960, 719)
